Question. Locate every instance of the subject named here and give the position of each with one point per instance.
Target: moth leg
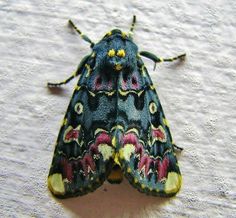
(182, 56)
(177, 147)
(84, 37)
(76, 73)
(63, 82)
(159, 59)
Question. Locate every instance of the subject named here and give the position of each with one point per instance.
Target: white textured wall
(198, 97)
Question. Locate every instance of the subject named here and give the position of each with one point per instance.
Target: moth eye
(111, 53)
(79, 108)
(153, 107)
(121, 53)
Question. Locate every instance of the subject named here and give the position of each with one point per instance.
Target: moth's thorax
(116, 52)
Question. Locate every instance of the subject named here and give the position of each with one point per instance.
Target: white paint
(127, 150)
(198, 96)
(106, 151)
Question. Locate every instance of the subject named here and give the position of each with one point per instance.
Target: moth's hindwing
(83, 155)
(147, 153)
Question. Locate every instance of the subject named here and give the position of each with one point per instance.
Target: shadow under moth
(114, 125)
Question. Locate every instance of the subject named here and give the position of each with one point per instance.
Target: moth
(114, 125)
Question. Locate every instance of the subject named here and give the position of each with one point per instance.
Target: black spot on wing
(139, 101)
(93, 102)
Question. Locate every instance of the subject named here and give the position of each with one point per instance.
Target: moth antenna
(132, 26)
(83, 36)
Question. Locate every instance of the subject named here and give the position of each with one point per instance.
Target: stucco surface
(198, 97)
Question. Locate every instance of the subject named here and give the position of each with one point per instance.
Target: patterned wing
(84, 153)
(147, 153)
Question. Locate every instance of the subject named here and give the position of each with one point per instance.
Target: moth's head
(116, 52)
